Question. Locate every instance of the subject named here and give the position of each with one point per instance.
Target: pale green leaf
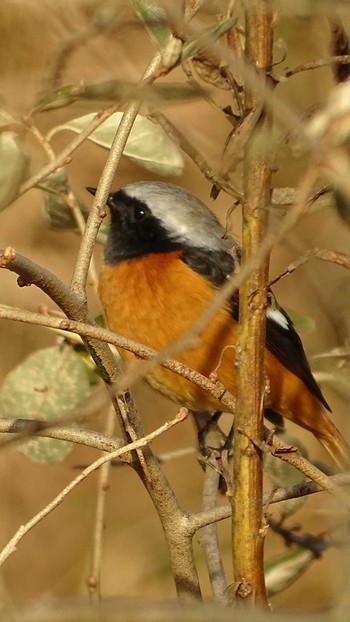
(48, 385)
(283, 570)
(13, 168)
(154, 19)
(112, 90)
(56, 211)
(148, 144)
(194, 46)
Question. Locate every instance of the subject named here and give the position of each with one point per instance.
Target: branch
(293, 456)
(64, 157)
(342, 59)
(341, 259)
(89, 438)
(12, 544)
(141, 351)
(247, 517)
(316, 544)
(94, 579)
(186, 145)
(201, 519)
(209, 537)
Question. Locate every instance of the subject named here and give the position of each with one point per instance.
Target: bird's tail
(300, 405)
(333, 441)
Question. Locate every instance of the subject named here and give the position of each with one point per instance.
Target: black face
(134, 230)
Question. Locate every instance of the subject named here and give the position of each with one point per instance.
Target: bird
(165, 257)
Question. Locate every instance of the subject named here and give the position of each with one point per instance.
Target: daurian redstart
(165, 257)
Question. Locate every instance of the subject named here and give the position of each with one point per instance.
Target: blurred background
(53, 559)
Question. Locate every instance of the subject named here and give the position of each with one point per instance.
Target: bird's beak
(109, 198)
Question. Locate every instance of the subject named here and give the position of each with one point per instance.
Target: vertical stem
(247, 519)
(94, 580)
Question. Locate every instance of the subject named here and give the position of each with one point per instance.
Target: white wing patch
(278, 317)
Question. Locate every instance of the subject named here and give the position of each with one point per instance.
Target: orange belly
(141, 301)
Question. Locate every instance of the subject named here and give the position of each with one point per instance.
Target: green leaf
(283, 570)
(154, 19)
(49, 384)
(113, 90)
(13, 168)
(148, 144)
(56, 211)
(195, 46)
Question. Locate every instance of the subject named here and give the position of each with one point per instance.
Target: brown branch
(332, 256)
(98, 441)
(293, 456)
(342, 59)
(209, 536)
(247, 517)
(24, 529)
(96, 333)
(97, 25)
(287, 196)
(64, 157)
(186, 145)
(94, 579)
(170, 514)
(316, 544)
(30, 427)
(98, 211)
(200, 519)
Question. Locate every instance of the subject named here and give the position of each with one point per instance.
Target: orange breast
(154, 299)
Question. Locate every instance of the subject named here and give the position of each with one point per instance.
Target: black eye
(139, 213)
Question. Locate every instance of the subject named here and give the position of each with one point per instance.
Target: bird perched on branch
(165, 257)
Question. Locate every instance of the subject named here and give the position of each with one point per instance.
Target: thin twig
(142, 442)
(64, 157)
(97, 213)
(94, 579)
(97, 25)
(80, 220)
(293, 456)
(88, 438)
(168, 456)
(187, 146)
(209, 536)
(101, 334)
(42, 140)
(316, 544)
(200, 519)
(343, 59)
(341, 259)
